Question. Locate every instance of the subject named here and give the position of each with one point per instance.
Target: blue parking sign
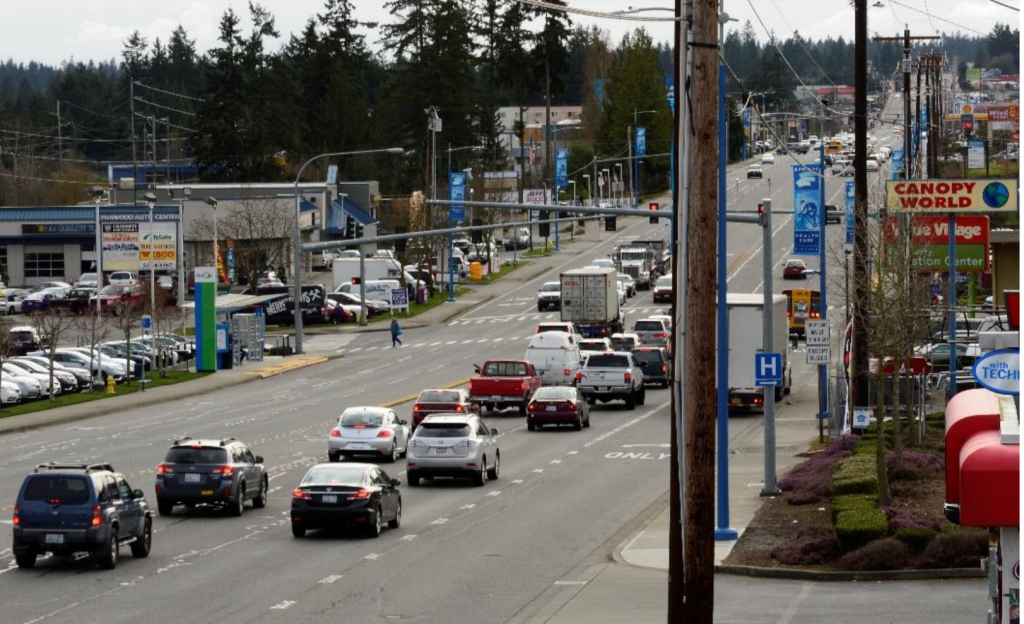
(768, 369)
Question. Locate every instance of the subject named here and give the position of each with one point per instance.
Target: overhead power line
(941, 19)
(21, 177)
(800, 40)
(182, 128)
(181, 95)
(540, 4)
(173, 110)
(1002, 4)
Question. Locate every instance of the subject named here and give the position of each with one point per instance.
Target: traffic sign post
(817, 333)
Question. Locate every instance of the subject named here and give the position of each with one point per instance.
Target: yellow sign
(967, 109)
(931, 196)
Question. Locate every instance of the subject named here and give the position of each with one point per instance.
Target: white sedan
(768, 159)
(368, 431)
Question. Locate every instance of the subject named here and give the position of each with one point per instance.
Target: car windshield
(607, 360)
(112, 290)
(197, 455)
(360, 417)
(623, 344)
(335, 475)
(551, 287)
(636, 254)
(554, 328)
(602, 263)
(794, 264)
(648, 357)
(593, 345)
(665, 281)
(87, 277)
(442, 430)
(505, 369)
(625, 279)
(649, 326)
(439, 396)
(554, 393)
(57, 489)
(22, 335)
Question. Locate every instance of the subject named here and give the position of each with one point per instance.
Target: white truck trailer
(746, 337)
(590, 300)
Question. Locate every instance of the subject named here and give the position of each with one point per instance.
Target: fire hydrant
(110, 384)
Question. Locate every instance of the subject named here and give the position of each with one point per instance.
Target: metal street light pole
(297, 235)
(150, 201)
(97, 194)
(590, 192)
(622, 192)
(212, 203)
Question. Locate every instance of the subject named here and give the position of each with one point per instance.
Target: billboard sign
(120, 243)
(930, 240)
(931, 196)
(1004, 117)
(807, 182)
(897, 163)
(850, 195)
(975, 154)
(161, 244)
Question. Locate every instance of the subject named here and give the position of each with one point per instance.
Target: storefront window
(44, 264)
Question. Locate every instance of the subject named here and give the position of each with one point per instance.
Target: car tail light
(579, 377)
(415, 407)
(223, 471)
(466, 443)
(571, 405)
(97, 516)
(628, 377)
(758, 400)
(661, 335)
(360, 427)
(532, 407)
(522, 385)
(384, 433)
(301, 494)
(815, 314)
(664, 368)
(604, 331)
(567, 372)
(459, 408)
(164, 469)
(16, 519)
(789, 314)
(360, 494)
(195, 446)
(335, 433)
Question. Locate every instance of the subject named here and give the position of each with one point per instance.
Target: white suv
(123, 278)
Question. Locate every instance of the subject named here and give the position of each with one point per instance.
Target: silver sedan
(453, 445)
(368, 431)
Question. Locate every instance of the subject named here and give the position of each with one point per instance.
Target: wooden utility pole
(699, 587)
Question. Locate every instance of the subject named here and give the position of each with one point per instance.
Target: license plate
(358, 446)
(735, 402)
(192, 477)
(329, 498)
(440, 451)
(495, 398)
(54, 538)
(206, 492)
(551, 408)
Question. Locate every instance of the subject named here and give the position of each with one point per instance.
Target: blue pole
(723, 532)
(822, 368)
(672, 185)
(952, 305)
(451, 267)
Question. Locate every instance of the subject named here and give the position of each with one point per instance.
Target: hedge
(860, 527)
(849, 502)
(855, 475)
(916, 538)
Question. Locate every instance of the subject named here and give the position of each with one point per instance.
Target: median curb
(294, 363)
(845, 577)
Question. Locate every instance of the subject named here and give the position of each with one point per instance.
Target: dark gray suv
(69, 508)
(224, 473)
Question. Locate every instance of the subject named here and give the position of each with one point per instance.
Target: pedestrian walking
(338, 314)
(396, 331)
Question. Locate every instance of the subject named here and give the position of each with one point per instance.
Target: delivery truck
(746, 337)
(590, 301)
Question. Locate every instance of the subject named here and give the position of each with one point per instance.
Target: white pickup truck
(612, 376)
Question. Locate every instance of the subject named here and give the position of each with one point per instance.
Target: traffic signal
(359, 230)
(654, 208)
(967, 126)
(350, 228)
(609, 224)
(762, 218)
(543, 229)
(355, 281)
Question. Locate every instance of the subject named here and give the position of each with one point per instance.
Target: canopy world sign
(936, 196)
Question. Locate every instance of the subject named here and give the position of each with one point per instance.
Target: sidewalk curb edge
(834, 577)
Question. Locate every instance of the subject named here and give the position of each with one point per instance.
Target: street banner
(641, 141)
(930, 242)
(562, 167)
(897, 163)
(850, 195)
(975, 154)
(940, 196)
(457, 193)
(807, 209)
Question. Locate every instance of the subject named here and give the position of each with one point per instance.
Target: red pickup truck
(504, 383)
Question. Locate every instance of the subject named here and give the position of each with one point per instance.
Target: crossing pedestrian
(396, 331)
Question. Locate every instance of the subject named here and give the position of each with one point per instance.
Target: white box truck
(590, 300)
(746, 337)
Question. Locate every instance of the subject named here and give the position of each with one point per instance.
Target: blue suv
(69, 508)
(224, 473)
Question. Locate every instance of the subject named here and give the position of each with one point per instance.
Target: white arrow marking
(408, 538)
(573, 453)
(555, 461)
(538, 470)
(517, 481)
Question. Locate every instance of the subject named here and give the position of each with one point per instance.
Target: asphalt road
(463, 554)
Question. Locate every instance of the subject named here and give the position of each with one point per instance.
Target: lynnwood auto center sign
(951, 195)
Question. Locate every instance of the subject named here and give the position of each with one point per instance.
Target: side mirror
(476, 367)
(395, 483)
(138, 494)
(403, 422)
(494, 432)
(259, 459)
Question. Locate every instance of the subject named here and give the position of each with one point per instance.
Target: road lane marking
(281, 606)
(494, 493)
(408, 538)
(372, 556)
(330, 579)
(469, 506)
(440, 521)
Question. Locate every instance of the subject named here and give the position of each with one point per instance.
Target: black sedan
(656, 364)
(346, 495)
(557, 405)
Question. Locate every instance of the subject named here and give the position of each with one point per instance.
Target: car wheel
(492, 473)
(261, 499)
(334, 457)
(298, 530)
(413, 479)
(238, 505)
(26, 561)
(631, 400)
(392, 455)
(109, 553)
(480, 478)
(141, 546)
(522, 409)
(396, 522)
(531, 427)
(778, 393)
(586, 423)
(165, 508)
(643, 396)
(375, 527)
(578, 425)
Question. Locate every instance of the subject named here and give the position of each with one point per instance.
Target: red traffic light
(355, 281)
(760, 209)
(967, 126)
(653, 206)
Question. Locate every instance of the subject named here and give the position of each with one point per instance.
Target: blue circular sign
(995, 195)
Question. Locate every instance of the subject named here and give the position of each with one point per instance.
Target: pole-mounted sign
(457, 192)
(806, 195)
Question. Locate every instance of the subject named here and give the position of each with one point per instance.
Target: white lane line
(466, 341)
(440, 521)
(371, 348)
(357, 349)
(537, 470)
(281, 606)
(520, 319)
(408, 538)
(330, 579)
(372, 556)
(434, 344)
(516, 481)
(555, 461)
(494, 493)
(570, 582)
(469, 506)
(419, 344)
(450, 342)
(479, 341)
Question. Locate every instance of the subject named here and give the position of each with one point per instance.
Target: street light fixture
(297, 237)
(607, 181)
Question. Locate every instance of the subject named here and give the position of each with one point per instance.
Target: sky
(53, 31)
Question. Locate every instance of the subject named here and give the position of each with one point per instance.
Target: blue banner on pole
(457, 192)
(807, 182)
(641, 141)
(849, 212)
(561, 167)
(897, 163)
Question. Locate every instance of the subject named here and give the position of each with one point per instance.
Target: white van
(556, 356)
(376, 290)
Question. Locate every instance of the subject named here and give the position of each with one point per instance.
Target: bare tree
(165, 314)
(127, 319)
(95, 328)
(6, 345)
(52, 326)
(260, 229)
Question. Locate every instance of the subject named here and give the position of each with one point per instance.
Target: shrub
(904, 519)
(855, 475)
(859, 527)
(883, 554)
(955, 549)
(809, 482)
(855, 485)
(865, 448)
(913, 465)
(811, 547)
(849, 502)
(916, 538)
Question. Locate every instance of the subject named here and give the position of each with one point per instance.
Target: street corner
(288, 365)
